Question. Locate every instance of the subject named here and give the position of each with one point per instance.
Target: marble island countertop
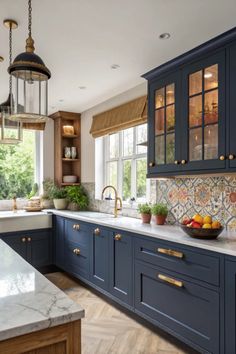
(225, 243)
(28, 301)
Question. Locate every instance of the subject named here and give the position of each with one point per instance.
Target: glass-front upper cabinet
(204, 114)
(164, 124)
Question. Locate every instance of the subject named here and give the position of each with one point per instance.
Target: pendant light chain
(29, 17)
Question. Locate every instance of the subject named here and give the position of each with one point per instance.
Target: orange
(207, 219)
(216, 225)
(198, 218)
(206, 226)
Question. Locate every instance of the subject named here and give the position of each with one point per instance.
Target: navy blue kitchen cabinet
(99, 257)
(34, 246)
(191, 111)
(121, 266)
(59, 234)
(230, 306)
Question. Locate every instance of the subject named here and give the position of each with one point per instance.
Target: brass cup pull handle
(176, 162)
(183, 162)
(117, 237)
(171, 253)
(76, 226)
(97, 231)
(23, 239)
(231, 157)
(151, 164)
(171, 281)
(29, 239)
(76, 251)
(222, 158)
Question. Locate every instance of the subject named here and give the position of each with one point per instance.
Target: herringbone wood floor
(107, 330)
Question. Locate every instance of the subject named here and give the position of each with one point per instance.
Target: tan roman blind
(34, 126)
(122, 117)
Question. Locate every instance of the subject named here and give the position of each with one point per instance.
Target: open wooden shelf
(70, 136)
(70, 184)
(69, 160)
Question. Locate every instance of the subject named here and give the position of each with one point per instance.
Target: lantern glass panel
(10, 131)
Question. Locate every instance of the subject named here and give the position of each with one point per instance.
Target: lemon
(206, 226)
(207, 219)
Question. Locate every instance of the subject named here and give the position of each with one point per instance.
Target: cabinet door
(121, 267)
(40, 248)
(18, 242)
(99, 259)
(204, 140)
(164, 125)
(230, 307)
(59, 232)
(232, 108)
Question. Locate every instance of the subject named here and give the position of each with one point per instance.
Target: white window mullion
(120, 166)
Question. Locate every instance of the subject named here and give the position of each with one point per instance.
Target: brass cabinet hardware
(23, 239)
(171, 281)
(151, 164)
(76, 251)
(176, 162)
(231, 157)
(222, 158)
(76, 226)
(170, 252)
(117, 237)
(29, 239)
(183, 162)
(97, 231)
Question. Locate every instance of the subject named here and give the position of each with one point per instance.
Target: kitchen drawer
(77, 264)
(182, 260)
(77, 231)
(189, 310)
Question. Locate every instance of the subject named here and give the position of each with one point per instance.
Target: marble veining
(28, 301)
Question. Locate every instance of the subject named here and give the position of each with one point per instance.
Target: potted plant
(160, 212)
(59, 196)
(77, 197)
(145, 211)
(46, 200)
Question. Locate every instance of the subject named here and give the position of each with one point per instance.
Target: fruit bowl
(206, 234)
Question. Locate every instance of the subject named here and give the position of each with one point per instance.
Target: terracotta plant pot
(160, 219)
(60, 204)
(73, 206)
(146, 218)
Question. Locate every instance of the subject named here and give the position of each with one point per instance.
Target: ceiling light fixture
(31, 82)
(82, 87)
(115, 66)
(10, 132)
(165, 35)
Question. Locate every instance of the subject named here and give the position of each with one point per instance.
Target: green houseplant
(46, 200)
(160, 212)
(145, 211)
(59, 196)
(77, 198)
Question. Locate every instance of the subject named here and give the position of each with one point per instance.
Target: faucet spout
(117, 199)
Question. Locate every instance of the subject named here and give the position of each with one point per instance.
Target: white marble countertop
(225, 243)
(28, 301)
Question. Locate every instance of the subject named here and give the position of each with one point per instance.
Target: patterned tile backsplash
(215, 196)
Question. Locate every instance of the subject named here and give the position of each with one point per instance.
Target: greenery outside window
(126, 163)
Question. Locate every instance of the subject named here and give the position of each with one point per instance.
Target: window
(18, 166)
(126, 163)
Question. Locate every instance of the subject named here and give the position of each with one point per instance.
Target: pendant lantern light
(10, 132)
(30, 88)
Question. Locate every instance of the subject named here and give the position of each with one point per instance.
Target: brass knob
(76, 226)
(231, 157)
(151, 164)
(29, 239)
(176, 162)
(97, 231)
(76, 251)
(183, 162)
(222, 157)
(117, 237)
(23, 239)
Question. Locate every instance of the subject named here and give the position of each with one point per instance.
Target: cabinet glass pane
(159, 121)
(195, 144)
(211, 107)
(160, 149)
(126, 179)
(170, 148)
(113, 145)
(128, 142)
(170, 94)
(170, 118)
(160, 98)
(112, 173)
(195, 111)
(195, 83)
(211, 142)
(211, 77)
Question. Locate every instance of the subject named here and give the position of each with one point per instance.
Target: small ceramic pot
(73, 206)
(160, 219)
(146, 218)
(60, 204)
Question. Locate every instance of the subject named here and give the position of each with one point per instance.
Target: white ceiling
(80, 39)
